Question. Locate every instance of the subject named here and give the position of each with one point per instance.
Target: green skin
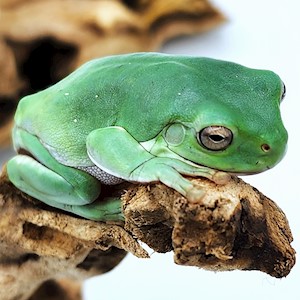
(145, 117)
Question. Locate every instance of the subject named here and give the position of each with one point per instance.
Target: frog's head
(237, 126)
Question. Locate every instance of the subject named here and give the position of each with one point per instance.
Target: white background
(260, 34)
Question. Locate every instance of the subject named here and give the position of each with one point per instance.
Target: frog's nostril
(265, 147)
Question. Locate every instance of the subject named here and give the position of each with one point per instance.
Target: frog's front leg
(115, 151)
(39, 175)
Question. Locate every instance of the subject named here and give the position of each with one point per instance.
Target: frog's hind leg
(57, 185)
(107, 209)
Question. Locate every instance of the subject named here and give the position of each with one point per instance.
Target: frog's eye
(215, 138)
(283, 92)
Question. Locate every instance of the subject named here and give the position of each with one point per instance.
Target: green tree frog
(145, 117)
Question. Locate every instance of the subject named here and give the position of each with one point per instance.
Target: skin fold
(145, 117)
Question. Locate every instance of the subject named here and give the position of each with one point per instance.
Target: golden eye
(215, 138)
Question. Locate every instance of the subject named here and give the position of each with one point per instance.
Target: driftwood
(233, 227)
(42, 41)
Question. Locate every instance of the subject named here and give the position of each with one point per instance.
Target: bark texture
(42, 41)
(233, 226)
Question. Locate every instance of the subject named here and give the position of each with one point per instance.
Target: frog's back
(101, 93)
(127, 90)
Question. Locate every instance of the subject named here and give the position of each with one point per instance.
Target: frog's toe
(221, 177)
(195, 195)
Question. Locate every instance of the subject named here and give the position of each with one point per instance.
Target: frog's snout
(272, 154)
(275, 144)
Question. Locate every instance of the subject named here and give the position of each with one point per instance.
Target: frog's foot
(108, 209)
(196, 193)
(169, 171)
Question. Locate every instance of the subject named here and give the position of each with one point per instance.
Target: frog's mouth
(246, 173)
(243, 173)
(238, 173)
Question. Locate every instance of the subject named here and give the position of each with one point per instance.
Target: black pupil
(216, 138)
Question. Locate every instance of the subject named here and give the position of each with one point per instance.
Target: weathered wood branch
(233, 227)
(230, 228)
